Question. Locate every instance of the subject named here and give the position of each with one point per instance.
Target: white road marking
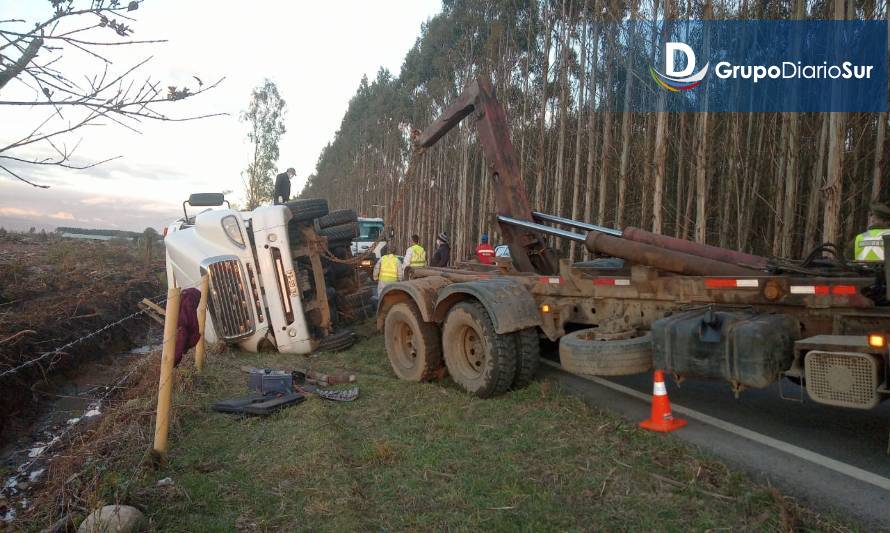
(801, 453)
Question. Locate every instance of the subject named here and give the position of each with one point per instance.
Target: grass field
(408, 456)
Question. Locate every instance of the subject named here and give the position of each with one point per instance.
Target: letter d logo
(671, 50)
(678, 80)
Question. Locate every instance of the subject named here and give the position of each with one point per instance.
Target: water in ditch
(66, 406)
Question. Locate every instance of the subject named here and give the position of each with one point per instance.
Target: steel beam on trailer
(548, 230)
(577, 224)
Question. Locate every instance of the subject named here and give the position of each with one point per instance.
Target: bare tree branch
(18, 66)
(120, 98)
(16, 176)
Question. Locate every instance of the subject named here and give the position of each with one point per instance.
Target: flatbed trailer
(696, 311)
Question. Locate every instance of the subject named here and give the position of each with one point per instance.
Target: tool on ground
(266, 381)
(661, 418)
(258, 404)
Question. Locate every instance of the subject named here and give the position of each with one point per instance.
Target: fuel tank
(745, 348)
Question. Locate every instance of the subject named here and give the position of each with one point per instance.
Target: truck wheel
(581, 353)
(359, 298)
(479, 360)
(335, 218)
(305, 210)
(528, 354)
(412, 345)
(337, 341)
(343, 232)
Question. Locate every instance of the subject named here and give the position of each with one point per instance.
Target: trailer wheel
(304, 210)
(528, 354)
(335, 218)
(479, 360)
(581, 353)
(412, 345)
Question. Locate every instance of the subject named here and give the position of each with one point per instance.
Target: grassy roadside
(408, 456)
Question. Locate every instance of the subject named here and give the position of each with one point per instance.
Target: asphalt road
(829, 458)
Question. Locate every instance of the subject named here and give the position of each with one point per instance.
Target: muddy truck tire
(413, 346)
(480, 360)
(336, 342)
(307, 210)
(581, 353)
(341, 233)
(336, 218)
(528, 355)
(359, 298)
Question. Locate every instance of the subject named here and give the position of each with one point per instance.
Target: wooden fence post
(165, 383)
(202, 319)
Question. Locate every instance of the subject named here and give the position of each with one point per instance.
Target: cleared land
(54, 291)
(404, 456)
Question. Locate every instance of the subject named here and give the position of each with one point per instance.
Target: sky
(316, 52)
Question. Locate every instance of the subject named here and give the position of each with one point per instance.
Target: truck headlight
(233, 230)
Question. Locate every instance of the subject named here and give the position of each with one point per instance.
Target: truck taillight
(165, 231)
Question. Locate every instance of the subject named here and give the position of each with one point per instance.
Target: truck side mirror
(204, 199)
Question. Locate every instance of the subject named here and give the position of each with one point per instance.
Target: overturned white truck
(281, 276)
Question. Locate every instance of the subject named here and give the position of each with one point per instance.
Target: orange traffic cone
(661, 418)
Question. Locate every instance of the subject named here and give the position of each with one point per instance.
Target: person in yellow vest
(869, 245)
(415, 257)
(389, 269)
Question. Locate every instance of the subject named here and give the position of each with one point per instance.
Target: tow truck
(280, 276)
(644, 300)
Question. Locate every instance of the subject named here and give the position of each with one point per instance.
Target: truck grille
(229, 302)
(844, 379)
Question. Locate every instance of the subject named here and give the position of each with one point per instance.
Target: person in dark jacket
(442, 255)
(282, 187)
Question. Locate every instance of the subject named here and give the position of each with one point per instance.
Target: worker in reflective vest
(869, 245)
(389, 269)
(415, 257)
(484, 252)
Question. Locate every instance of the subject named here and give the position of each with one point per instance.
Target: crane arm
(529, 249)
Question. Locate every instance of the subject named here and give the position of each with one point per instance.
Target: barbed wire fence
(62, 349)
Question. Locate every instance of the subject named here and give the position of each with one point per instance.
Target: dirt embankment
(53, 292)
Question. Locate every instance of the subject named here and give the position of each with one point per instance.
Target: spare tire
(581, 353)
(336, 218)
(305, 210)
(343, 232)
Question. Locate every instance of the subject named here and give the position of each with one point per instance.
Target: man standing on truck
(484, 252)
(415, 257)
(389, 269)
(442, 255)
(869, 245)
(281, 193)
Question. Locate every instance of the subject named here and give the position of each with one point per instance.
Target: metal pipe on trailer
(637, 252)
(663, 241)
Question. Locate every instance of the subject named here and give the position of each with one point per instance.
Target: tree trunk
(540, 155)
(701, 157)
(579, 131)
(834, 182)
(625, 129)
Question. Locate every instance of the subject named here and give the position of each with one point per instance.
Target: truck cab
(271, 276)
(370, 231)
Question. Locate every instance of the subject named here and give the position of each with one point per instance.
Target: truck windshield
(369, 231)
